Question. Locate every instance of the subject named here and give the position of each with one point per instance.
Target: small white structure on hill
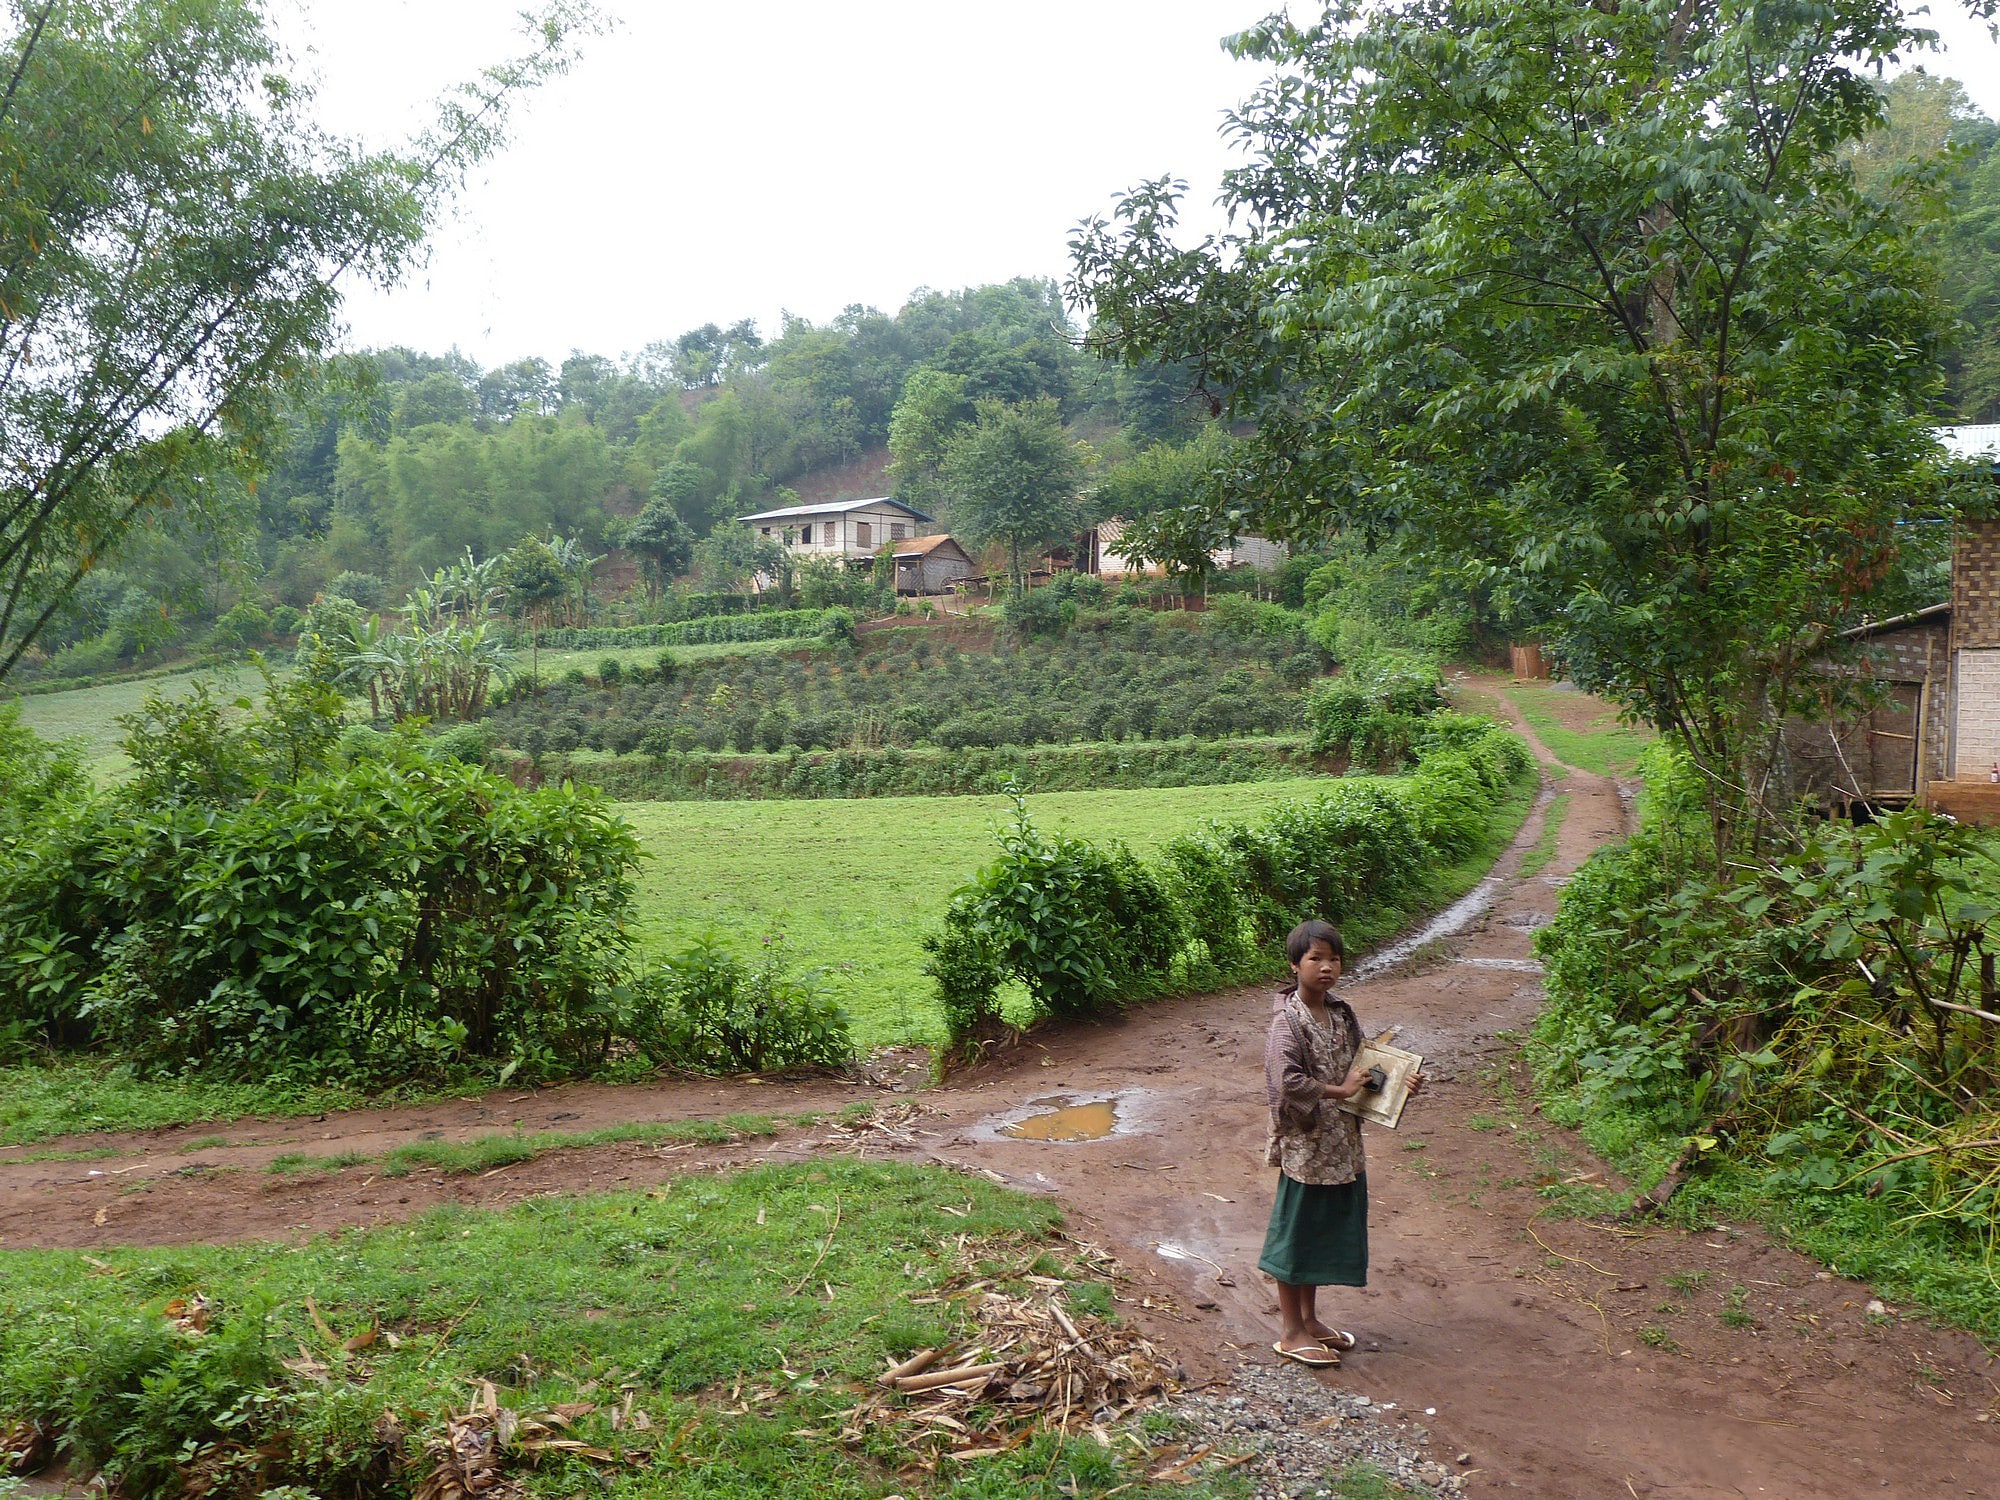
(839, 528)
(1104, 556)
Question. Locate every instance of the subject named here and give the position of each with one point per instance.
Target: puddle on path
(1092, 1120)
(1511, 965)
(1453, 920)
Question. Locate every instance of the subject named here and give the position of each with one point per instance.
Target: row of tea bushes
(901, 689)
(707, 630)
(929, 772)
(1086, 928)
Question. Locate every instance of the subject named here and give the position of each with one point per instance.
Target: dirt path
(1565, 1358)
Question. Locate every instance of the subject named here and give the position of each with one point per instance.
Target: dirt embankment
(1563, 1357)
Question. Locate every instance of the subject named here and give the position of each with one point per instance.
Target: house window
(863, 534)
(897, 531)
(805, 535)
(765, 529)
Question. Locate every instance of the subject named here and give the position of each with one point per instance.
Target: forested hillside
(399, 461)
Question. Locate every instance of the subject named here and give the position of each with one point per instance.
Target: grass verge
(487, 1153)
(847, 887)
(69, 1096)
(1599, 744)
(1539, 858)
(704, 1339)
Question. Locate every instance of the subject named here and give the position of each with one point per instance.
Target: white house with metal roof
(839, 528)
(1974, 441)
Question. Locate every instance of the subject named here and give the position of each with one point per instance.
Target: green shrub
(1248, 617)
(470, 743)
(365, 589)
(1083, 927)
(1376, 713)
(706, 1011)
(967, 975)
(37, 777)
(391, 916)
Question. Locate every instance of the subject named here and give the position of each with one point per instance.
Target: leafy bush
(1084, 928)
(1809, 1031)
(37, 778)
(390, 916)
(1243, 615)
(707, 1011)
(365, 589)
(1375, 714)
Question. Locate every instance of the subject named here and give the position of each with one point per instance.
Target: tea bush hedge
(927, 771)
(1087, 929)
(360, 923)
(1118, 676)
(762, 625)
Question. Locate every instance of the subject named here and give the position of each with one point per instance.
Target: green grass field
(848, 886)
(723, 1326)
(91, 714)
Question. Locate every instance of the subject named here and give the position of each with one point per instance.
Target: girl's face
(1319, 969)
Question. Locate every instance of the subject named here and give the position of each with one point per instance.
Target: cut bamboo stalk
(916, 1364)
(959, 1376)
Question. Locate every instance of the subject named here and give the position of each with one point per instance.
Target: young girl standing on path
(1319, 1223)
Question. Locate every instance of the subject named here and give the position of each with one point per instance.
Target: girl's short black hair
(1306, 934)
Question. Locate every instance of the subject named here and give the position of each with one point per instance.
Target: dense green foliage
(173, 227)
(1119, 675)
(1586, 304)
(578, 1305)
(1928, 121)
(392, 914)
(1377, 711)
(1088, 928)
(707, 1011)
(713, 627)
(931, 771)
(1814, 1037)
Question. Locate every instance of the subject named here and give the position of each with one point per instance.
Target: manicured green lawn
(91, 714)
(848, 886)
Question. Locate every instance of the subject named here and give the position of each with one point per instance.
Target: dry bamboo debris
(894, 1125)
(1034, 1364)
(469, 1459)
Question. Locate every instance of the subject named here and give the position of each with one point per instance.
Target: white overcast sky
(708, 162)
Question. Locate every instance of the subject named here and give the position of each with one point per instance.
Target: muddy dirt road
(1563, 1358)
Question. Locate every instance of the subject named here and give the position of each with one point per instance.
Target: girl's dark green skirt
(1318, 1234)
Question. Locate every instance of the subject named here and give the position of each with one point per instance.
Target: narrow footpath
(1543, 1355)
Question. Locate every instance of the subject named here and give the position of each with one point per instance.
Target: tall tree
(661, 542)
(1585, 297)
(1012, 477)
(171, 238)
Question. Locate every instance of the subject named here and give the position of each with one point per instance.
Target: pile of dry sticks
(1033, 1365)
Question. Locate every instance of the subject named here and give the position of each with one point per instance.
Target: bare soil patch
(1565, 1357)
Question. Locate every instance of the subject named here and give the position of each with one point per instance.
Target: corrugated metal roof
(1895, 622)
(1978, 440)
(829, 508)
